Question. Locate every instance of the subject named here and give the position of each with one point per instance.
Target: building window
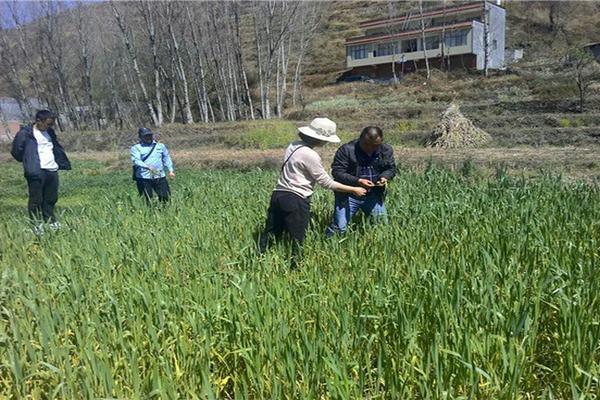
(456, 38)
(358, 52)
(386, 49)
(409, 45)
(494, 44)
(432, 42)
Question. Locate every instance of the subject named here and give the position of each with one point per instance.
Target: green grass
(264, 135)
(476, 289)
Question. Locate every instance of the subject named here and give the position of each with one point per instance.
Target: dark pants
(289, 213)
(146, 188)
(43, 195)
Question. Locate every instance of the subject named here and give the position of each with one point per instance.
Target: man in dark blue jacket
(366, 162)
(42, 156)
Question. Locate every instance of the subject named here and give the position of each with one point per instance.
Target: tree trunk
(423, 41)
(200, 74)
(149, 16)
(131, 51)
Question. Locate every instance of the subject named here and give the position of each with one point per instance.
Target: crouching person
(289, 209)
(150, 159)
(37, 147)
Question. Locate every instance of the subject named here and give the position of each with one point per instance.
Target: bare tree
(173, 13)
(486, 38)
(5, 124)
(8, 58)
(423, 40)
(199, 69)
(129, 42)
(585, 71)
(148, 12)
(52, 50)
(271, 20)
(86, 63)
(240, 58)
(310, 20)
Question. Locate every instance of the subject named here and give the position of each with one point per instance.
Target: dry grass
(570, 162)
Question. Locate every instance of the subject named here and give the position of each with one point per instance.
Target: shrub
(565, 122)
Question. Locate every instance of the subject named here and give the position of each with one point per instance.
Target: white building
(454, 36)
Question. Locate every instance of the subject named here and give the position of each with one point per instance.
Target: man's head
(146, 135)
(371, 138)
(44, 119)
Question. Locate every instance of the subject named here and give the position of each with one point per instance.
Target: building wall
(384, 71)
(478, 44)
(475, 43)
(497, 36)
(415, 55)
(497, 28)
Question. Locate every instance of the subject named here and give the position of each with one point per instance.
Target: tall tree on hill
(199, 70)
(129, 42)
(486, 38)
(52, 50)
(391, 31)
(173, 12)
(147, 9)
(8, 61)
(585, 71)
(240, 57)
(272, 21)
(24, 54)
(310, 19)
(83, 33)
(423, 40)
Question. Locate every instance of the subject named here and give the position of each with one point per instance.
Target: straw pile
(456, 131)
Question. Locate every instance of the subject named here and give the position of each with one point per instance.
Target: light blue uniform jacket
(159, 159)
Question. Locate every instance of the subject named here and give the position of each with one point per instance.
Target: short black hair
(371, 132)
(44, 114)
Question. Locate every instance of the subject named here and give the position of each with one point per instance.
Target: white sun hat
(321, 129)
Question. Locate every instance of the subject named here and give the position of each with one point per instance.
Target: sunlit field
(477, 288)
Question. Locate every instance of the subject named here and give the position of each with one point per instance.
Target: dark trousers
(146, 188)
(289, 213)
(43, 195)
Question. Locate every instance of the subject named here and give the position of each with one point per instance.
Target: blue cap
(144, 132)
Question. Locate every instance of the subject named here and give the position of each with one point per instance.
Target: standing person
(37, 147)
(150, 159)
(289, 209)
(366, 162)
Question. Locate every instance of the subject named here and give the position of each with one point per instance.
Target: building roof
(382, 38)
(376, 23)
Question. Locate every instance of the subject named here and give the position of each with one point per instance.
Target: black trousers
(43, 195)
(146, 188)
(289, 213)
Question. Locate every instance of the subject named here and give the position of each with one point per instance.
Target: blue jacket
(25, 150)
(159, 159)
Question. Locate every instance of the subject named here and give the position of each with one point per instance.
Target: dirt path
(573, 162)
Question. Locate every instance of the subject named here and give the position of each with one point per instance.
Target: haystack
(456, 131)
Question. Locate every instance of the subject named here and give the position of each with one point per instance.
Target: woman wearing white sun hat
(289, 209)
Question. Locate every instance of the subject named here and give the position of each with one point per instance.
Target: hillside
(531, 107)
(528, 27)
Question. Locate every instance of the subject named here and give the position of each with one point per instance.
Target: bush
(565, 122)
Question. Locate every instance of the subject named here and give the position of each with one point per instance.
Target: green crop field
(476, 289)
